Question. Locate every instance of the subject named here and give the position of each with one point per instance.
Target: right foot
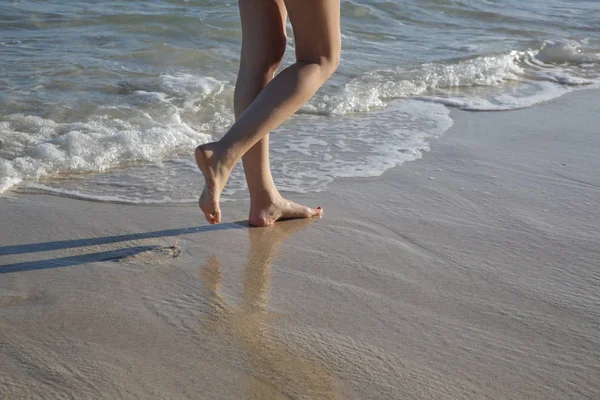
(215, 178)
(268, 212)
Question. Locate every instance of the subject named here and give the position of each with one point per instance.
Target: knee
(274, 56)
(264, 62)
(330, 63)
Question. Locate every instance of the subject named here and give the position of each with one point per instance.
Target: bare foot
(268, 212)
(215, 178)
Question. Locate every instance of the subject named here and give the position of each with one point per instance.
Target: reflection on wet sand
(274, 370)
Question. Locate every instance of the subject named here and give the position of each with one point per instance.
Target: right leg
(263, 46)
(317, 33)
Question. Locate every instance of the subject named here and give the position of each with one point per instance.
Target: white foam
(308, 153)
(564, 51)
(363, 134)
(510, 80)
(148, 128)
(32, 187)
(45, 147)
(361, 145)
(193, 89)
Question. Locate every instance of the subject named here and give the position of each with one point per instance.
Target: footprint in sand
(9, 300)
(155, 254)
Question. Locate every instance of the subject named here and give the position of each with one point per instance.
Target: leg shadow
(67, 244)
(75, 260)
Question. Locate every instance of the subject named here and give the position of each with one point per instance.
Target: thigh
(316, 25)
(263, 29)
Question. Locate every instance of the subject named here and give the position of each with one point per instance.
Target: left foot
(215, 178)
(278, 209)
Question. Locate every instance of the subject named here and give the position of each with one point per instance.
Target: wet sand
(471, 273)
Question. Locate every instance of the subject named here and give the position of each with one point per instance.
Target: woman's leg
(316, 26)
(263, 47)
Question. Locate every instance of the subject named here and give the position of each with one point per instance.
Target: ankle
(264, 196)
(225, 157)
(216, 157)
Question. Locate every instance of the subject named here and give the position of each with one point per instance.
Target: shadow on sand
(100, 256)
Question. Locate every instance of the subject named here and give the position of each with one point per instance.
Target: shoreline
(471, 272)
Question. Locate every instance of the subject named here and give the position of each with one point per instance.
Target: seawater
(106, 101)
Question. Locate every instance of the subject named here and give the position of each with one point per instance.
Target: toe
(312, 212)
(298, 211)
(213, 217)
(210, 218)
(309, 212)
(217, 216)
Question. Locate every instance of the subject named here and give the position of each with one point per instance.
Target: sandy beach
(472, 273)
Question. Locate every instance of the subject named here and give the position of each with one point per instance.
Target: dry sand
(472, 273)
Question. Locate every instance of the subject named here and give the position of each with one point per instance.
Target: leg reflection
(275, 369)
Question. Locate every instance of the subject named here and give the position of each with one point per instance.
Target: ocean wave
(159, 118)
(510, 80)
(33, 147)
(306, 155)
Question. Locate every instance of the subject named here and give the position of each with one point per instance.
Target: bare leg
(316, 26)
(263, 47)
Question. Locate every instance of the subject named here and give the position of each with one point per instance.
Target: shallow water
(107, 101)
